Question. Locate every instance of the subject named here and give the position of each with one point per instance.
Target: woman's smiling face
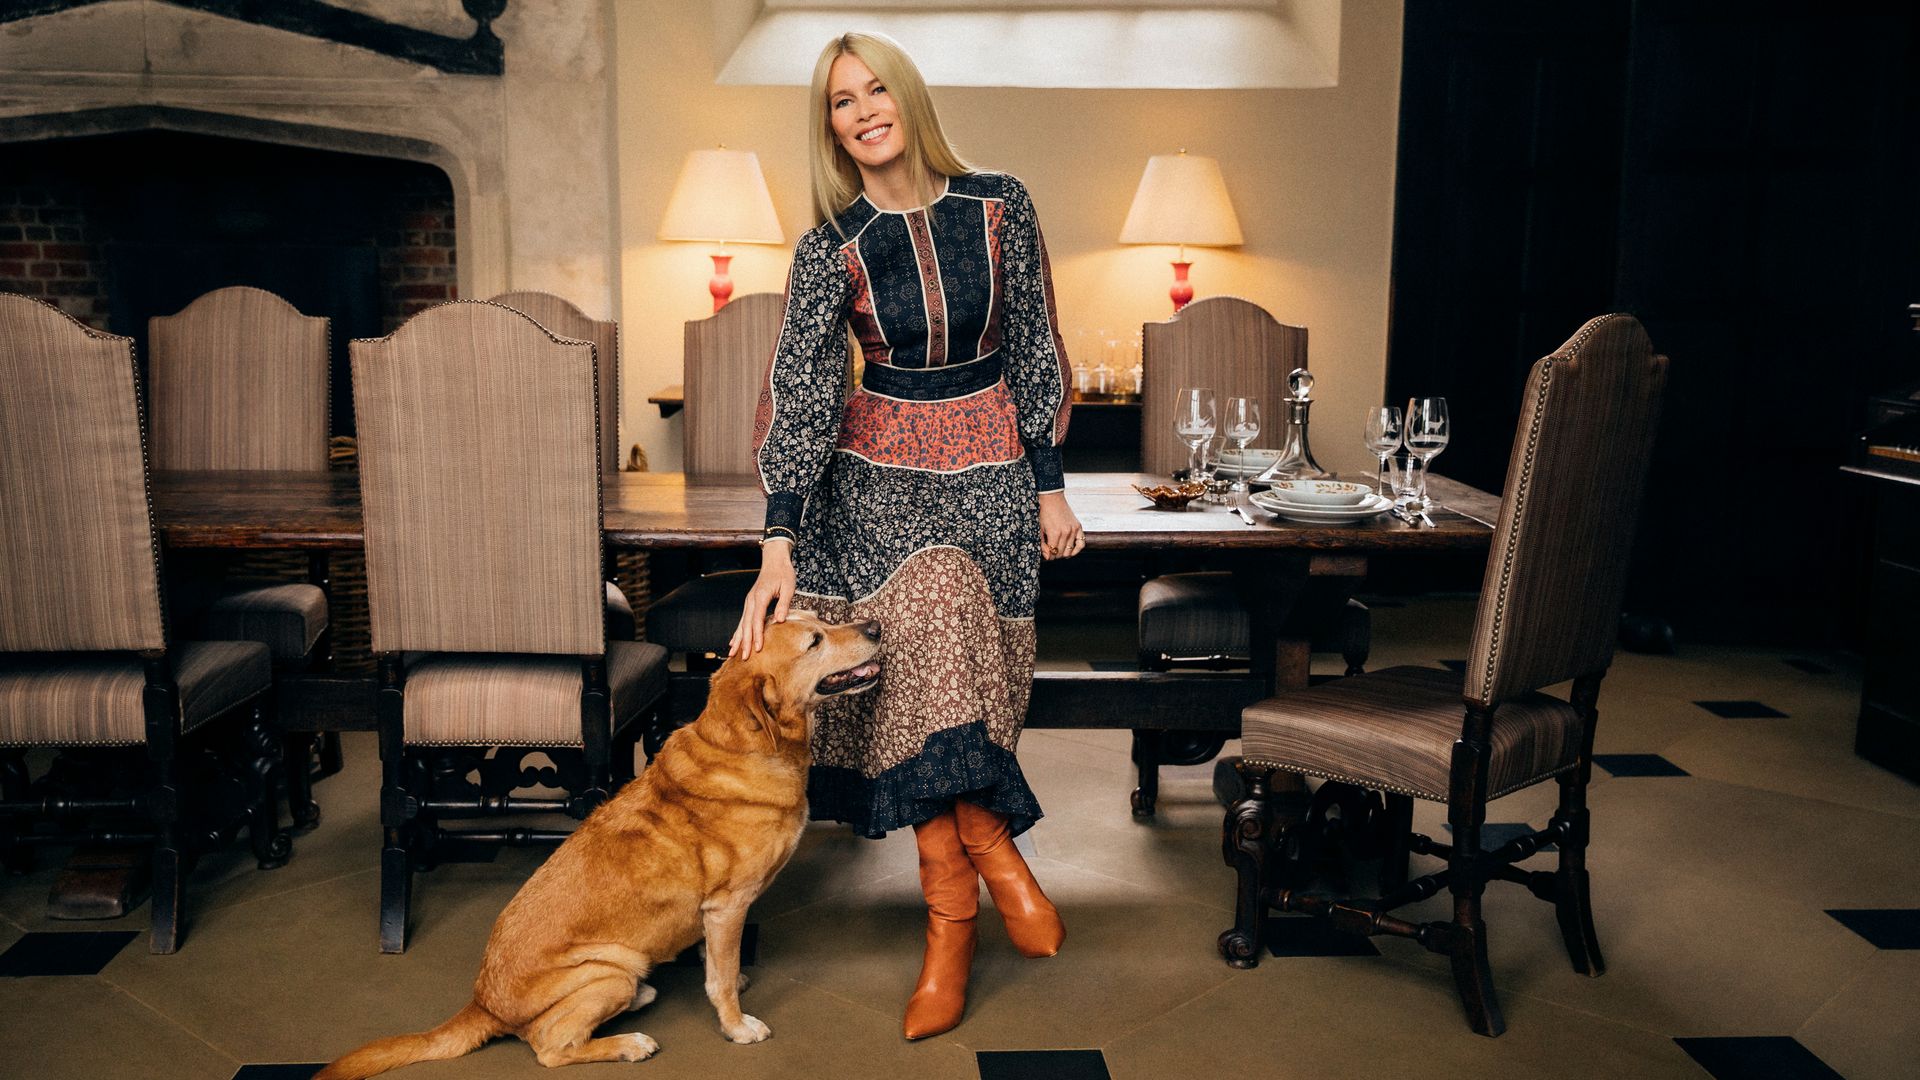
(863, 115)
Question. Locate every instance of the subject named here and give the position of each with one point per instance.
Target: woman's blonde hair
(836, 179)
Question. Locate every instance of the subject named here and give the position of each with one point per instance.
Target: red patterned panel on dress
(931, 287)
(866, 326)
(939, 436)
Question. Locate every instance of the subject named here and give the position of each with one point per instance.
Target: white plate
(1249, 462)
(1321, 515)
(1330, 494)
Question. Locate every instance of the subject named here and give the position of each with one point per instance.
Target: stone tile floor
(1716, 891)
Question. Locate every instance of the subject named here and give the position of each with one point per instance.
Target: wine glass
(1426, 435)
(1383, 438)
(1240, 425)
(1193, 421)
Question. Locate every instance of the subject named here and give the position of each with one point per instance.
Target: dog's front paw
(749, 1030)
(638, 1047)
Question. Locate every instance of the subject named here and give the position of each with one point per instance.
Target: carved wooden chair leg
(1146, 757)
(1356, 636)
(164, 804)
(1398, 825)
(399, 808)
(396, 888)
(1467, 812)
(331, 758)
(265, 755)
(1472, 974)
(1573, 903)
(1247, 844)
(296, 756)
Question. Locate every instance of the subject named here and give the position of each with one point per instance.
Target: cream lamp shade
(721, 197)
(1182, 200)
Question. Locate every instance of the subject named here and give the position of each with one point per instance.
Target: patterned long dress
(913, 500)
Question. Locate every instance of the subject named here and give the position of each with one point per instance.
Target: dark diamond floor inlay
(1638, 765)
(1770, 1057)
(749, 949)
(1302, 936)
(1884, 928)
(1458, 667)
(1811, 667)
(1741, 710)
(1114, 665)
(1042, 1065)
(278, 1072)
(1494, 834)
(82, 953)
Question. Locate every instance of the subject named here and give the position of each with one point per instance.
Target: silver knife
(1242, 511)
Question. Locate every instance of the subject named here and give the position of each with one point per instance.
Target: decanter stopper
(1296, 456)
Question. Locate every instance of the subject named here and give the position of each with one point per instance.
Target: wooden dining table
(1272, 560)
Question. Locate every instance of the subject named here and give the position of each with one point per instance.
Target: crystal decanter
(1296, 457)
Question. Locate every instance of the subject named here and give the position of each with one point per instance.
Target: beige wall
(1311, 172)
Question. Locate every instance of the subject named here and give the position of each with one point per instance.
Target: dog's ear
(763, 705)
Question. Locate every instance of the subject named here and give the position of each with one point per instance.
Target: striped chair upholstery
(468, 699)
(1231, 345)
(1549, 612)
(84, 655)
(480, 480)
(239, 380)
(1393, 730)
(1238, 349)
(97, 699)
(568, 321)
(724, 358)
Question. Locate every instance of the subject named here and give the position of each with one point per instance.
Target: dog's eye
(815, 643)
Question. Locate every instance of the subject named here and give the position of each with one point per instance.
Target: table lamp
(1181, 200)
(722, 198)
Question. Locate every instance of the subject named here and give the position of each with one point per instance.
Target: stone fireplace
(489, 182)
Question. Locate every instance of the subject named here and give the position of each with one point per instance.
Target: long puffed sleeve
(1036, 361)
(805, 388)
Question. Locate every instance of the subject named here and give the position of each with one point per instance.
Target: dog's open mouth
(851, 681)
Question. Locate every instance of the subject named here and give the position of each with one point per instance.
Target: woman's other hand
(1060, 535)
(774, 586)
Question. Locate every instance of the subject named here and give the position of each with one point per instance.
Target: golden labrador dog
(676, 856)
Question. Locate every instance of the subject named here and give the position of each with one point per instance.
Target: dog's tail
(469, 1028)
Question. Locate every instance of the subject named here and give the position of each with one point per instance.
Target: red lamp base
(721, 286)
(1182, 291)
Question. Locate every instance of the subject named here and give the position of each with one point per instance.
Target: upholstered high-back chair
(480, 482)
(1202, 618)
(239, 379)
(1231, 345)
(568, 321)
(84, 656)
(725, 359)
(1549, 611)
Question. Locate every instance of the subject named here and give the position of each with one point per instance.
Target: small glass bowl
(1172, 496)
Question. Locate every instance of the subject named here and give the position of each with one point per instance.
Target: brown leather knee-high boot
(952, 888)
(1032, 921)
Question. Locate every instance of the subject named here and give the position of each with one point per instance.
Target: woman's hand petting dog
(1060, 533)
(774, 586)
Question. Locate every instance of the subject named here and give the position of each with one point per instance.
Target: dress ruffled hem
(958, 762)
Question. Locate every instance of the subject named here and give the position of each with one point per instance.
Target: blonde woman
(925, 499)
